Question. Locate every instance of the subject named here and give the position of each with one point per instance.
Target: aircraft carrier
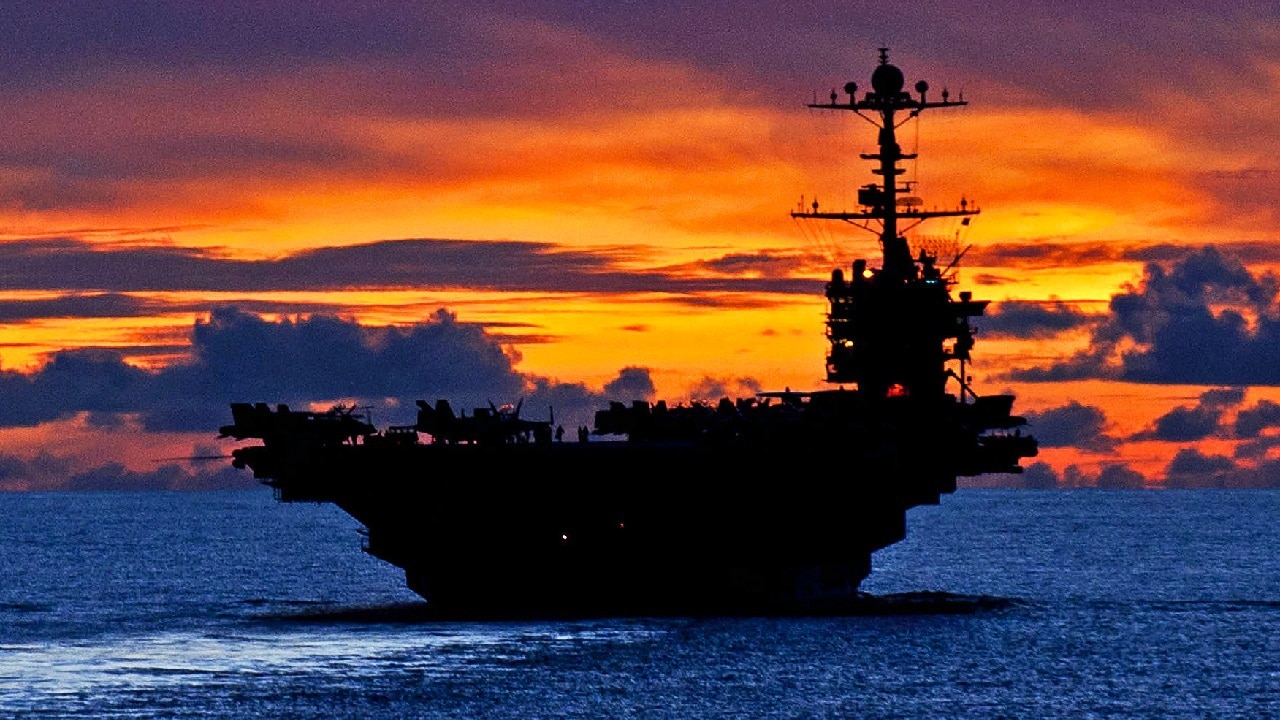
(766, 504)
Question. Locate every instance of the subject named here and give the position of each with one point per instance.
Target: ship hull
(617, 527)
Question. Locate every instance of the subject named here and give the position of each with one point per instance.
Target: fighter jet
(491, 425)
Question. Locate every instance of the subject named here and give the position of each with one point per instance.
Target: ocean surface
(1123, 604)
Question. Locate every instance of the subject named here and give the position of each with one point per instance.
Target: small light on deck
(564, 537)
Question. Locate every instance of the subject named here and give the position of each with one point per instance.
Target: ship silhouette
(767, 504)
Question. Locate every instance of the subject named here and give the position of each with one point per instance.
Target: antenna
(887, 107)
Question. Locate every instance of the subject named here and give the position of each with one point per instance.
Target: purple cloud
(1071, 425)
(1252, 421)
(1021, 319)
(239, 357)
(81, 268)
(1185, 325)
(1204, 419)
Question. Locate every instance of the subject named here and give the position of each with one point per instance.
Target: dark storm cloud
(120, 305)
(1252, 421)
(1204, 419)
(1111, 476)
(1222, 398)
(421, 264)
(1039, 254)
(1192, 469)
(48, 472)
(88, 305)
(1118, 476)
(1021, 319)
(1068, 254)
(1190, 461)
(66, 264)
(1256, 449)
(1183, 424)
(1038, 476)
(1071, 425)
(989, 279)
(713, 389)
(1207, 320)
(1255, 425)
(43, 470)
(239, 357)
(92, 381)
(632, 382)
(114, 476)
(761, 264)
(1246, 252)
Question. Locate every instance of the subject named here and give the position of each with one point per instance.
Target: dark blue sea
(230, 605)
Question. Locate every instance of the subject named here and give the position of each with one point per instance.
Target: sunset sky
(574, 202)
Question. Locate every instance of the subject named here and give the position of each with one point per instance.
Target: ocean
(1120, 604)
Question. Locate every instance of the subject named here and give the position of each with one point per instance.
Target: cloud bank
(1207, 320)
(240, 357)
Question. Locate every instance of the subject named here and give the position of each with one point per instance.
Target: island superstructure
(767, 504)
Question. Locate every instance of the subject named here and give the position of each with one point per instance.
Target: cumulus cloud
(1017, 319)
(1183, 424)
(42, 471)
(1253, 421)
(712, 389)
(1118, 476)
(1265, 475)
(1112, 476)
(1206, 321)
(1191, 468)
(1258, 427)
(632, 383)
(1222, 398)
(97, 381)
(46, 471)
(1040, 476)
(241, 357)
(317, 360)
(1071, 425)
(114, 476)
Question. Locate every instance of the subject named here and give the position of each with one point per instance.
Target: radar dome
(887, 80)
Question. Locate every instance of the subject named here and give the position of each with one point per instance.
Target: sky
(566, 203)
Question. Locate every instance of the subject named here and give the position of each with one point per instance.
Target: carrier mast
(881, 107)
(893, 332)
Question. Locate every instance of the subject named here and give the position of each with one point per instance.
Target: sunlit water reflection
(230, 605)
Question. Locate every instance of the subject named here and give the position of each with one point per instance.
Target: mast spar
(888, 106)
